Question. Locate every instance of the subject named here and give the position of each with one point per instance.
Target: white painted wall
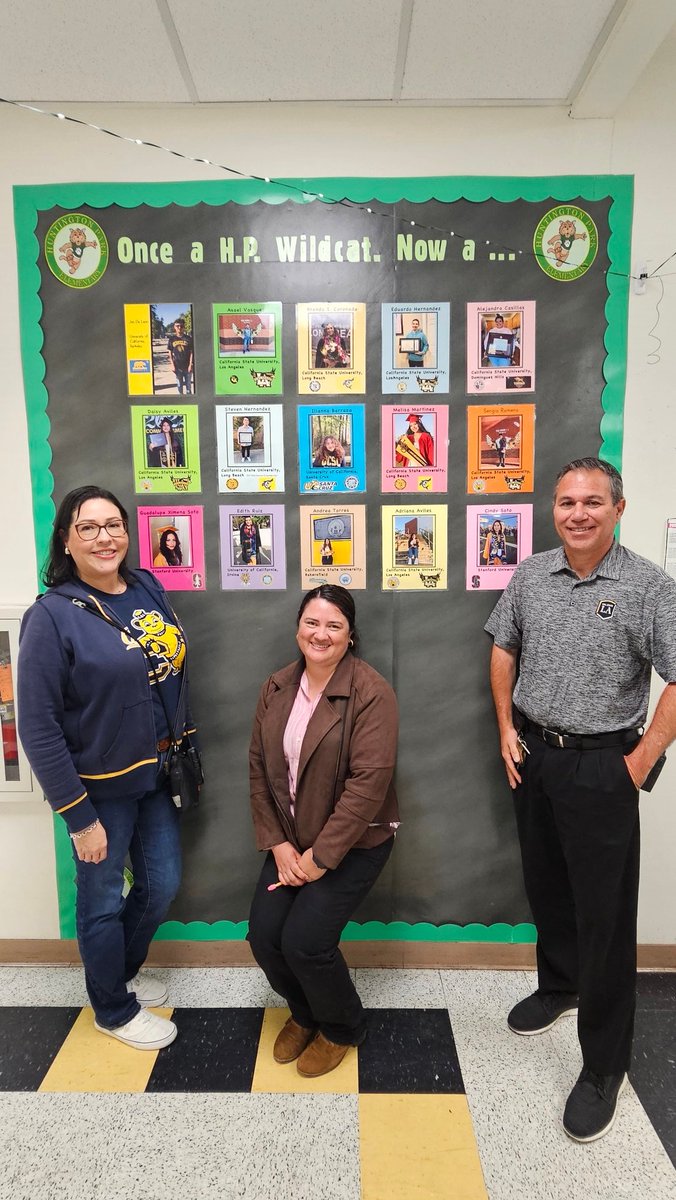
(289, 140)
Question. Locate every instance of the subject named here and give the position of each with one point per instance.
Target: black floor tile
(409, 1050)
(30, 1039)
(653, 1072)
(656, 989)
(215, 1051)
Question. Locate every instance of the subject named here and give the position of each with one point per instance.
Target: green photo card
(248, 349)
(165, 443)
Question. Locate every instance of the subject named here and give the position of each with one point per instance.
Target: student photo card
(501, 347)
(416, 342)
(253, 548)
(499, 537)
(331, 448)
(331, 349)
(414, 547)
(160, 349)
(171, 545)
(333, 545)
(248, 349)
(500, 448)
(414, 448)
(250, 447)
(165, 448)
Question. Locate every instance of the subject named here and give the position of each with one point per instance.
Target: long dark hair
(172, 433)
(174, 557)
(338, 452)
(343, 600)
(59, 567)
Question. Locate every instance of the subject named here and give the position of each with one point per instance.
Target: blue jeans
(184, 380)
(114, 934)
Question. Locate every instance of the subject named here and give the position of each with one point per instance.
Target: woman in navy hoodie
(96, 734)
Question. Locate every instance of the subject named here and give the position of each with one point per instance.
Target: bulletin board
(344, 319)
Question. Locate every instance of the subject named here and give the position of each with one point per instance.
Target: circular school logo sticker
(565, 242)
(76, 249)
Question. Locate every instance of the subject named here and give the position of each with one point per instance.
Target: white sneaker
(145, 1031)
(150, 992)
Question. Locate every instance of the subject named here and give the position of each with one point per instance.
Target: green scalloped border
(31, 200)
(370, 931)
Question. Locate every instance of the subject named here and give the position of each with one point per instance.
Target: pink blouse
(299, 719)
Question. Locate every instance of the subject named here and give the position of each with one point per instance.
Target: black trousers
(294, 935)
(578, 821)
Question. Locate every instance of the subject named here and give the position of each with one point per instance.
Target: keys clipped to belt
(521, 741)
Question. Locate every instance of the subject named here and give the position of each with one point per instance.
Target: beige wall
(288, 140)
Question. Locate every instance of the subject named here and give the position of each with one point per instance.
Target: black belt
(583, 741)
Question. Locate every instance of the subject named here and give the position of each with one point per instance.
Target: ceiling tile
(291, 50)
(98, 52)
(525, 49)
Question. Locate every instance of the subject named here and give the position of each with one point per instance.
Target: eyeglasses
(88, 531)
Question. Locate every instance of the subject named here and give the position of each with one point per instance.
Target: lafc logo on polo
(605, 609)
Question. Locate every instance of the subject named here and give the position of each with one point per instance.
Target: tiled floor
(441, 1103)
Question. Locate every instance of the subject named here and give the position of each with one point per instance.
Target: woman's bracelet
(81, 832)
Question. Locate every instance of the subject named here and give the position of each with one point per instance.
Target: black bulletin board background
(456, 859)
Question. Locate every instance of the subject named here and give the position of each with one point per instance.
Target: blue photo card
(331, 448)
(416, 348)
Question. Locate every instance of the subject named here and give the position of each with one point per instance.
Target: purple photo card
(253, 547)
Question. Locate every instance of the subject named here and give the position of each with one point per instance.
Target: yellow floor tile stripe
(270, 1076)
(418, 1148)
(89, 1061)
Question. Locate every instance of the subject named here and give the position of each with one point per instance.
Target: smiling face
(170, 541)
(330, 443)
(97, 562)
(585, 516)
(323, 635)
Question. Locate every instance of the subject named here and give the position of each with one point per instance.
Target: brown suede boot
(320, 1057)
(291, 1041)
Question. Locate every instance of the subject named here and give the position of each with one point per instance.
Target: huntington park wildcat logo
(76, 250)
(565, 242)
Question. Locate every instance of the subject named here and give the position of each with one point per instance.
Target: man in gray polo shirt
(575, 635)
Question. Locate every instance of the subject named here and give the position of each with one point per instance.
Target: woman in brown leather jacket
(322, 758)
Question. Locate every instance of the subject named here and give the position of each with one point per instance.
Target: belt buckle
(557, 738)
